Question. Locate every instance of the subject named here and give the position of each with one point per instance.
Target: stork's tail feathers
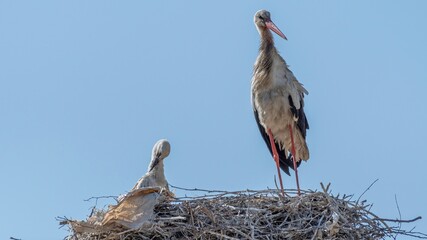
(286, 163)
(301, 146)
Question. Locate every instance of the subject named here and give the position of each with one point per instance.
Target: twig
(113, 197)
(400, 215)
(198, 189)
(325, 190)
(397, 205)
(281, 196)
(222, 236)
(398, 220)
(366, 190)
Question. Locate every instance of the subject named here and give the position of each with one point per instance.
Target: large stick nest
(260, 215)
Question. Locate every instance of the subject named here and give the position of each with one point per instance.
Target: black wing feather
(302, 122)
(285, 162)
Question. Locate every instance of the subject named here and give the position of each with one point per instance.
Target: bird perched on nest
(278, 101)
(155, 176)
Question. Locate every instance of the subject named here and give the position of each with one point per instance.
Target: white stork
(278, 101)
(155, 176)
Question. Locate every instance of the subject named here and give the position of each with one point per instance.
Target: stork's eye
(260, 17)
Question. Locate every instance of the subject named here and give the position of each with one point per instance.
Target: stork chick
(155, 176)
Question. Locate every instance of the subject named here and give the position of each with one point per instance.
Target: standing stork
(278, 101)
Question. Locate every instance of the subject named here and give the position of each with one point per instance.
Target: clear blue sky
(87, 88)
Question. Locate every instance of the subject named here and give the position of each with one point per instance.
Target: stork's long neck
(264, 63)
(267, 41)
(159, 168)
(158, 173)
(266, 50)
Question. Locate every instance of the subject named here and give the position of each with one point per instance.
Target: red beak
(270, 25)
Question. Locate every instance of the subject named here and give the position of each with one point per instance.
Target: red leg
(294, 157)
(276, 159)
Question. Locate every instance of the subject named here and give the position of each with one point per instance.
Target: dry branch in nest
(258, 215)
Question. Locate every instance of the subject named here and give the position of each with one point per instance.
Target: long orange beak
(270, 25)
